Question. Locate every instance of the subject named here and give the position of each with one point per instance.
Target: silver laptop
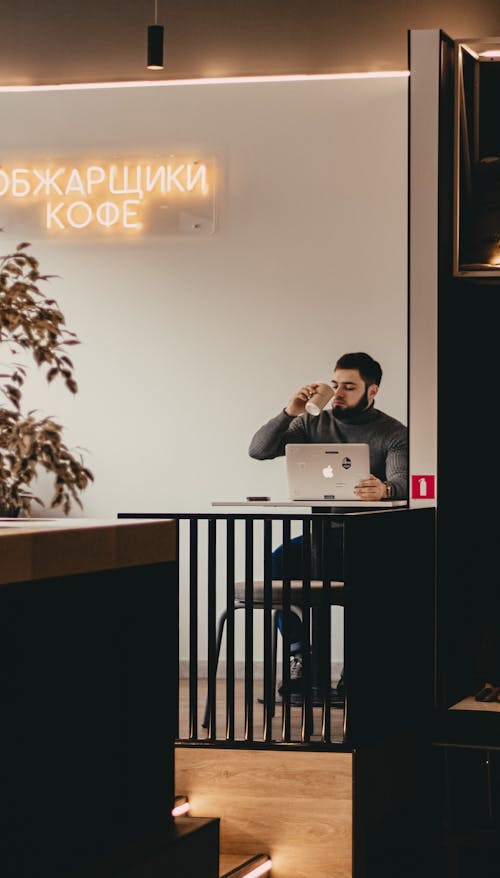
(326, 471)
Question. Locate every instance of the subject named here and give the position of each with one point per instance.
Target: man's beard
(350, 414)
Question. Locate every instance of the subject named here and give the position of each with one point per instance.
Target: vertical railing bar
(307, 713)
(249, 629)
(230, 630)
(193, 628)
(448, 792)
(285, 713)
(489, 785)
(211, 620)
(346, 718)
(325, 673)
(268, 609)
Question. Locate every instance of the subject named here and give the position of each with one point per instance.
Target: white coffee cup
(319, 399)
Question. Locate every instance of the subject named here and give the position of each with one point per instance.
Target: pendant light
(155, 43)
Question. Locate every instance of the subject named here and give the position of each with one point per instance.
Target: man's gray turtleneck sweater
(387, 438)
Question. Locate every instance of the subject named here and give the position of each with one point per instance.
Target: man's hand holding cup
(311, 398)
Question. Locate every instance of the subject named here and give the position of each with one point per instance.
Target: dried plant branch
(33, 323)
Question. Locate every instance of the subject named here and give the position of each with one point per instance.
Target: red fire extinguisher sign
(423, 487)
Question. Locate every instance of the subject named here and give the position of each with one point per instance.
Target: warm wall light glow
(216, 80)
(490, 53)
(263, 869)
(180, 809)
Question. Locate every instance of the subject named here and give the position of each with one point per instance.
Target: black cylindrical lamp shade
(155, 47)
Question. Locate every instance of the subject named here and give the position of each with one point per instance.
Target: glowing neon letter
(199, 171)
(48, 178)
(95, 176)
(107, 214)
(75, 183)
(151, 179)
(69, 214)
(127, 189)
(20, 187)
(52, 215)
(6, 180)
(172, 178)
(128, 214)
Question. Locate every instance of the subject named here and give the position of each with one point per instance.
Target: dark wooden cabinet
(88, 705)
(467, 296)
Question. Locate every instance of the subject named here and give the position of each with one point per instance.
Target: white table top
(308, 504)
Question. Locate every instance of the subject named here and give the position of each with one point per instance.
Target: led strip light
(215, 80)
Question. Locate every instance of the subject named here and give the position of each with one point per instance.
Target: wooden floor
(470, 703)
(336, 716)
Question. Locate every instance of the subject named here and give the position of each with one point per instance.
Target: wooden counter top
(40, 548)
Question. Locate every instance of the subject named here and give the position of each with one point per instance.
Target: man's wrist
(389, 491)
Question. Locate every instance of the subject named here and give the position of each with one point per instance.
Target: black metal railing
(227, 564)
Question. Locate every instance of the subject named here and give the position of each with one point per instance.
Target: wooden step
(297, 806)
(230, 865)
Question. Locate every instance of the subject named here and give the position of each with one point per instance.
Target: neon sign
(102, 196)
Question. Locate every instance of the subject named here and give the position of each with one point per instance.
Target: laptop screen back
(327, 471)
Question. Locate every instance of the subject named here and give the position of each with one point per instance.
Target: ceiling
(50, 41)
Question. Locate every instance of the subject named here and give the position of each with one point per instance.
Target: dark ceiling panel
(48, 41)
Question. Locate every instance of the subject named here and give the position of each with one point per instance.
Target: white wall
(188, 345)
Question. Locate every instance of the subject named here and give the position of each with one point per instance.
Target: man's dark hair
(368, 368)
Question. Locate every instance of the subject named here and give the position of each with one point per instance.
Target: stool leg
(220, 632)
